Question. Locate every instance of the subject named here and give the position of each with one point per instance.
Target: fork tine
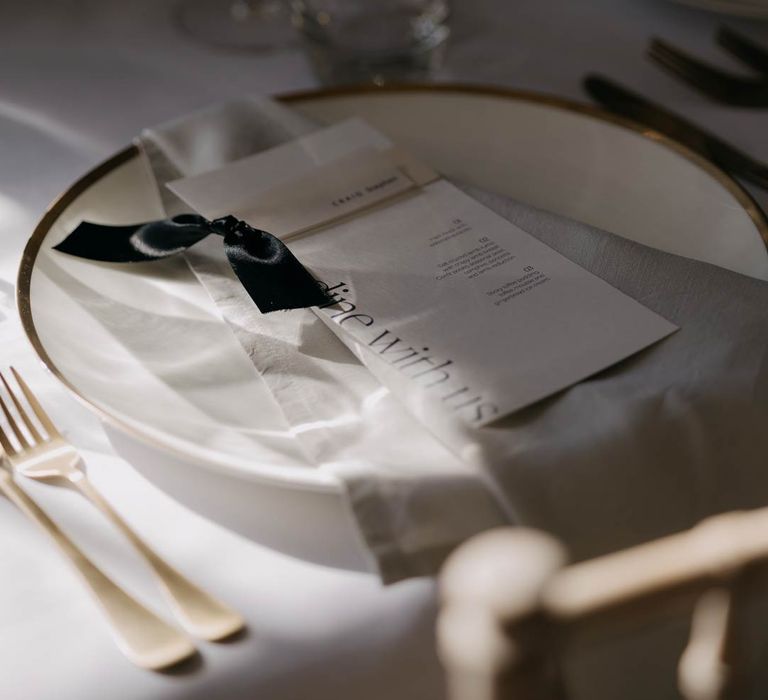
(42, 416)
(718, 84)
(14, 427)
(33, 431)
(744, 49)
(696, 72)
(5, 443)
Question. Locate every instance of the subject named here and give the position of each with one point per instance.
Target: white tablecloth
(78, 79)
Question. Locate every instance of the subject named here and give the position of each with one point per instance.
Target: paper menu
(466, 307)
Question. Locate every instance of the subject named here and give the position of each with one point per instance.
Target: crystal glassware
(352, 41)
(238, 24)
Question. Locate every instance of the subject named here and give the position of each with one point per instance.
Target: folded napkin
(647, 447)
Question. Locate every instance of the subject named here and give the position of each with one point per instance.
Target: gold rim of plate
(57, 207)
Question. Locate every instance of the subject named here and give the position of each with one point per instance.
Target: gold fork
(50, 457)
(142, 636)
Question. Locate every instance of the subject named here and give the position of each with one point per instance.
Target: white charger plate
(144, 347)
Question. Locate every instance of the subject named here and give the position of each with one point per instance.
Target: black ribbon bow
(270, 273)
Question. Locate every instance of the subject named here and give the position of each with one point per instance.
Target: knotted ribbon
(270, 273)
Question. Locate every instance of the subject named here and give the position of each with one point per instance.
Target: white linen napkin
(645, 448)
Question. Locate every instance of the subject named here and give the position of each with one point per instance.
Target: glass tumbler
(353, 41)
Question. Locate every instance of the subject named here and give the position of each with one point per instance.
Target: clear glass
(238, 24)
(376, 41)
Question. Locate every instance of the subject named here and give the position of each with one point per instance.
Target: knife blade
(626, 103)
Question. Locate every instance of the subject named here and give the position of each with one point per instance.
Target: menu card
(466, 308)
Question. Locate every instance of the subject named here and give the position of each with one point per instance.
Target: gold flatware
(142, 636)
(621, 100)
(49, 456)
(721, 85)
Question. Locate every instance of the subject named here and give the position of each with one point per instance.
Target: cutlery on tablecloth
(626, 103)
(719, 84)
(48, 456)
(147, 640)
(744, 49)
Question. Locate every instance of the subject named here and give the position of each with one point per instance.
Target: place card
(466, 308)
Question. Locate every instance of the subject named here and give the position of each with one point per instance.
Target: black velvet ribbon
(270, 273)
